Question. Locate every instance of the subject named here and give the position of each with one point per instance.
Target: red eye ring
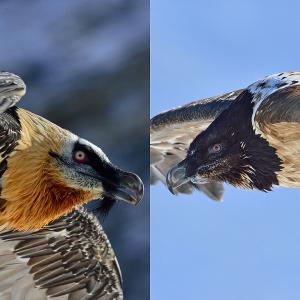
(80, 156)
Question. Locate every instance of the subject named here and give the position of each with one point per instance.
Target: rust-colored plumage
(46, 171)
(33, 190)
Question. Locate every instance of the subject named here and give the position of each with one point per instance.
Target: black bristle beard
(259, 162)
(257, 167)
(101, 208)
(265, 162)
(106, 204)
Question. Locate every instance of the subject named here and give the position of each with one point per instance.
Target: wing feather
(12, 88)
(71, 258)
(171, 133)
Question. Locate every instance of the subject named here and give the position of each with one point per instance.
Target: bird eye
(80, 156)
(216, 148)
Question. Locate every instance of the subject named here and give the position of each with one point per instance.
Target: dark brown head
(229, 150)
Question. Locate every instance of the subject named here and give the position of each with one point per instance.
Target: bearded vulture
(41, 164)
(48, 249)
(254, 143)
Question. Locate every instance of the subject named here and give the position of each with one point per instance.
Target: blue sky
(247, 247)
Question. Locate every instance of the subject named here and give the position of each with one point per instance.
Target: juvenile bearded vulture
(171, 134)
(254, 143)
(46, 172)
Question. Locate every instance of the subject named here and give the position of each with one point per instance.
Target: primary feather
(71, 258)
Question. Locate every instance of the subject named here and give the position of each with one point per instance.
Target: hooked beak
(129, 188)
(116, 183)
(176, 177)
(183, 173)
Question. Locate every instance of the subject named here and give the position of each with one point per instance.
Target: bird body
(285, 138)
(276, 117)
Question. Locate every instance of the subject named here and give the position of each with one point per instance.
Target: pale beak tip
(171, 189)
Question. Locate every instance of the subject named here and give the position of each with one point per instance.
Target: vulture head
(229, 150)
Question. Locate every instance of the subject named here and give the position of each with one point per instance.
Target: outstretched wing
(71, 258)
(173, 131)
(12, 88)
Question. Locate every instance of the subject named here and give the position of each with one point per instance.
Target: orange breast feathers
(33, 190)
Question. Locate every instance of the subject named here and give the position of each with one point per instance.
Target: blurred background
(247, 247)
(86, 66)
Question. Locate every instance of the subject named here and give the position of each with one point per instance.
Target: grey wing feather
(171, 133)
(71, 258)
(12, 88)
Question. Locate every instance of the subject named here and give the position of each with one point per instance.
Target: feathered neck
(33, 190)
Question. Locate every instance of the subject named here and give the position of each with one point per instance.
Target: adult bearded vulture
(46, 172)
(251, 141)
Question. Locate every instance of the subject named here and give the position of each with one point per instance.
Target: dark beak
(176, 177)
(129, 188)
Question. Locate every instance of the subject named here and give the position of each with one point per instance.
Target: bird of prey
(71, 258)
(46, 171)
(171, 133)
(254, 143)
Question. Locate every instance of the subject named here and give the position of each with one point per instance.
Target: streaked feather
(71, 258)
(12, 88)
